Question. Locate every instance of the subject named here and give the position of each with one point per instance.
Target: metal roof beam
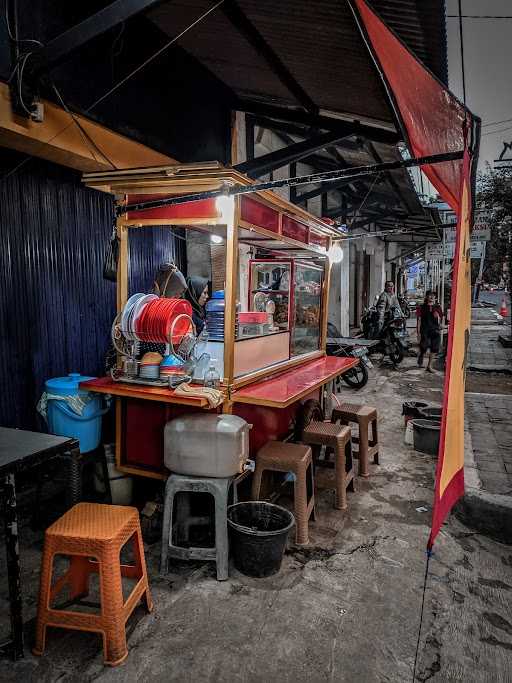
(322, 189)
(243, 24)
(63, 45)
(255, 168)
(318, 121)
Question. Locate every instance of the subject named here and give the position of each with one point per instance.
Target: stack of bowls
(150, 365)
(171, 365)
(215, 316)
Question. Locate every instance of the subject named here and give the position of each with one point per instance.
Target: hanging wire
(119, 84)
(429, 554)
(462, 54)
(364, 200)
(83, 132)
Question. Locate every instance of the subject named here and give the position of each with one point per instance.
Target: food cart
(274, 267)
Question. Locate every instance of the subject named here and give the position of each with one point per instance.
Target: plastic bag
(111, 257)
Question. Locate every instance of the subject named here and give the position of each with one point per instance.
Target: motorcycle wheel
(357, 377)
(396, 355)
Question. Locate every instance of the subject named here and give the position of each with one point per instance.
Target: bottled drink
(212, 377)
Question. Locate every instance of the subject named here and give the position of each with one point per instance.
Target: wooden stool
(88, 531)
(366, 417)
(289, 457)
(337, 437)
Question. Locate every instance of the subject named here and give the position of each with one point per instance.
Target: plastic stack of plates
(215, 316)
(150, 365)
(127, 316)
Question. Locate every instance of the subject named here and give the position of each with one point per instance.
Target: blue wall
(55, 307)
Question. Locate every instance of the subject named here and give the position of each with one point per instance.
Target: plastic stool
(90, 530)
(279, 456)
(366, 418)
(337, 437)
(219, 489)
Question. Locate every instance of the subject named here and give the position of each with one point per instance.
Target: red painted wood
(259, 214)
(295, 230)
(291, 385)
(106, 385)
(319, 240)
(204, 208)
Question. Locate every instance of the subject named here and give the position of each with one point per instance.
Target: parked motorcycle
(404, 305)
(357, 376)
(393, 337)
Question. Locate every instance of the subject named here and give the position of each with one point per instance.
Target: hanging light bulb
(226, 207)
(335, 253)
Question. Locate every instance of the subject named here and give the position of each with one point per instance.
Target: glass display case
(269, 291)
(306, 309)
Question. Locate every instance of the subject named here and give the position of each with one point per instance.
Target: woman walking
(428, 327)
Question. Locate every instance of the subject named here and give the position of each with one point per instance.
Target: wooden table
(106, 385)
(290, 386)
(20, 450)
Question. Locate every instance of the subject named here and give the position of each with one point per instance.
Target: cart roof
(183, 179)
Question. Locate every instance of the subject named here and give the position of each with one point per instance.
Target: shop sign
(434, 251)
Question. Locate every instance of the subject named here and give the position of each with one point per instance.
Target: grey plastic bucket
(426, 436)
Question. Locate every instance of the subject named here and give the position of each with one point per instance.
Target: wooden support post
(325, 298)
(122, 266)
(231, 289)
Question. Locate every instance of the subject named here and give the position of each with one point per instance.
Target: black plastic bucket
(257, 535)
(411, 409)
(426, 436)
(431, 413)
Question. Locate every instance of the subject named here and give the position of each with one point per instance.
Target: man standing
(387, 301)
(428, 327)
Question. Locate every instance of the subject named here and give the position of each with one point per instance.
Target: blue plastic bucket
(63, 421)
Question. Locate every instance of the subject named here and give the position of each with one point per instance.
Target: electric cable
(462, 54)
(479, 16)
(115, 87)
(429, 554)
(83, 132)
(11, 34)
(494, 132)
(364, 199)
(495, 123)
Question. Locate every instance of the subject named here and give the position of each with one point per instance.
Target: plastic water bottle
(211, 376)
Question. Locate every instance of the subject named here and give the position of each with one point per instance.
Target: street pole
(442, 285)
(478, 282)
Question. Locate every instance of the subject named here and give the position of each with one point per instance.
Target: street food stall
(266, 321)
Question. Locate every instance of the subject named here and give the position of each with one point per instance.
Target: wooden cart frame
(263, 216)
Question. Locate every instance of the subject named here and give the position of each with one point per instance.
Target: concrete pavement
(345, 608)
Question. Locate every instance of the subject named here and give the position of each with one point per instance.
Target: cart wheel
(306, 413)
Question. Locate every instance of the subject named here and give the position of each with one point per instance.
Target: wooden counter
(106, 385)
(290, 386)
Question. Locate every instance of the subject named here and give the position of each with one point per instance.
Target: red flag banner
(433, 121)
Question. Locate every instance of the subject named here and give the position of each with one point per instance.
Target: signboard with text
(434, 251)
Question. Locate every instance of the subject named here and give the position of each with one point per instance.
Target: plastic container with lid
(206, 445)
(64, 421)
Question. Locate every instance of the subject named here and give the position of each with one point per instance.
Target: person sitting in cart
(197, 293)
(428, 326)
(387, 301)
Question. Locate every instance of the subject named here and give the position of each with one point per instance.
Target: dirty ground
(346, 608)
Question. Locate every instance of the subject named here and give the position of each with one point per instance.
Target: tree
(494, 194)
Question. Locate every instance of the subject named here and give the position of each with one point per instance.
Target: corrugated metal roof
(318, 43)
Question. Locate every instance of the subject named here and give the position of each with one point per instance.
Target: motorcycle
(393, 337)
(404, 305)
(356, 377)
